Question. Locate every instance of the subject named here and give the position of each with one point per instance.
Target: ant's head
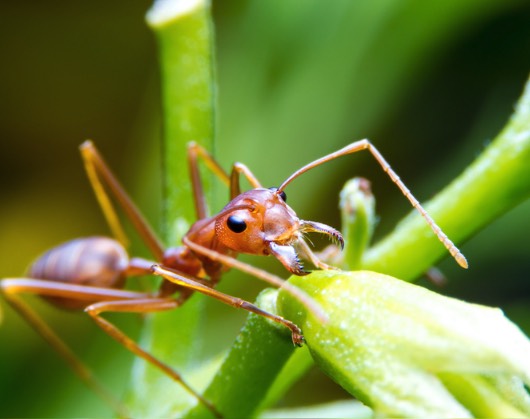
(260, 222)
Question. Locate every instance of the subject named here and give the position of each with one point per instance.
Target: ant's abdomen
(94, 261)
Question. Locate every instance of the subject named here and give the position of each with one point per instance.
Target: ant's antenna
(366, 144)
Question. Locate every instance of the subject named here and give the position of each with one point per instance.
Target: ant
(89, 273)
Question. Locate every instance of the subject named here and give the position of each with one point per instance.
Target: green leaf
(350, 409)
(389, 342)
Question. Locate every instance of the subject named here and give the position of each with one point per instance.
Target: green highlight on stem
(498, 180)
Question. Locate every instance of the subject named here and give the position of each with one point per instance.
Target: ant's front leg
(186, 282)
(239, 169)
(196, 151)
(231, 262)
(308, 254)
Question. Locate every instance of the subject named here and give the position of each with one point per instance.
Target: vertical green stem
(184, 36)
(251, 367)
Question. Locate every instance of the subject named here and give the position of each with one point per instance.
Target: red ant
(89, 273)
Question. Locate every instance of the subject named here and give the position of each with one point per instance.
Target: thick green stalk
(497, 181)
(184, 35)
(252, 365)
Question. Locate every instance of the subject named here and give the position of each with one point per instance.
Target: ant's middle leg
(143, 305)
(274, 280)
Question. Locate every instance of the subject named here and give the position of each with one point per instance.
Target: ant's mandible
(89, 273)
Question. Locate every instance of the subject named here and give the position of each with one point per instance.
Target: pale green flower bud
(357, 205)
(406, 351)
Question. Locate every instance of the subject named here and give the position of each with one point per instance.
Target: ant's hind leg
(10, 288)
(103, 182)
(109, 300)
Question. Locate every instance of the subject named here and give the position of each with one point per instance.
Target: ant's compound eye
(236, 224)
(282, 194)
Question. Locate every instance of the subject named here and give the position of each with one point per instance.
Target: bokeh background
(431, 83)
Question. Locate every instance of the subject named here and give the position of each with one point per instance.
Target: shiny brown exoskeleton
(89, 273)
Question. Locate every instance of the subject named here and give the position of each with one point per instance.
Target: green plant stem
(185, 44)
(252, 365)
(183, 32)
(497, 181)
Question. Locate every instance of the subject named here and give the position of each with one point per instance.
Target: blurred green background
(430, 83)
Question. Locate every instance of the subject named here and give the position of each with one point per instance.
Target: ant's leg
(239, 169)
(231, 262)
(11, 287)
(102, 179)
(184, 281)
(80, 369)
(138, 302)
(197, 151)
(145, 305)
(367, 145)
(308, 254)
